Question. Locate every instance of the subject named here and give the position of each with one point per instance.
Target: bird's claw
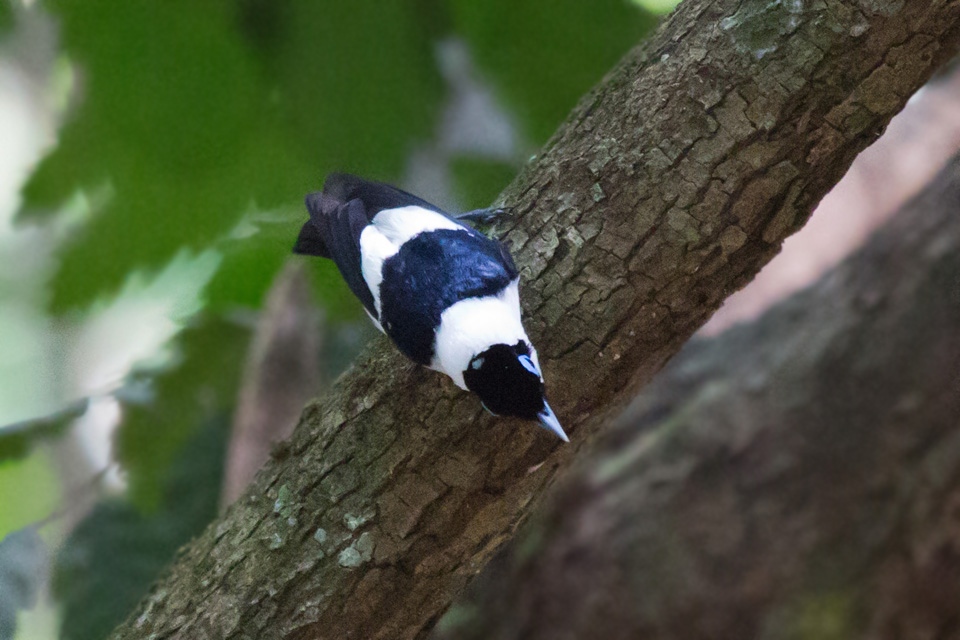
(485, 216)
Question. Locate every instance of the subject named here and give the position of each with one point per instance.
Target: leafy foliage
(544, 55)
(111, 558)
(250, 263)
(479, 180)
(23, 558)
(202, 385)
(29, 491)
(6, 21)
(194, 112)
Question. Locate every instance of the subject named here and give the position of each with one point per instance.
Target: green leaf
(356, 82)
(23, 560)
(543, 55)
(203, 383)
(18, 439)
(168, 91)
(251, 259)
(249, 264)
(30, 490)
(6, 22)
(113, 556)
(192, 113)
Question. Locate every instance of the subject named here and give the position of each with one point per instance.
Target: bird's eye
(476, 363)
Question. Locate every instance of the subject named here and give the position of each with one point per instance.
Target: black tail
(376, 196)
(339, 189)
(333, 231)
(310, 241)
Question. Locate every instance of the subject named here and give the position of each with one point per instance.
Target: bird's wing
(341, 188)
(337, 227)
(376, 196)
(339, 215)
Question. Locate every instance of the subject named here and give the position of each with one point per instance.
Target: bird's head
(509, 383)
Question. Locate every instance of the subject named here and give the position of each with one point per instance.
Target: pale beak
(549, 421)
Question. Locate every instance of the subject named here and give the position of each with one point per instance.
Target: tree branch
(282, 372)
(669, 186)
(796, 477)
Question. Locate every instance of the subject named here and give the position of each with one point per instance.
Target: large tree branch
(669, 187)
(796, 477)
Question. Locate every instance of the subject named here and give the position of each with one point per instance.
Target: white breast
(383, 237)
(471, 326)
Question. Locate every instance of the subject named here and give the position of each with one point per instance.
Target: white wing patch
(374, 249)
(399, 225)
(472, 326)
(388, 230)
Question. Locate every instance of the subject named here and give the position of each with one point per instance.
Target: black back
(429, 273)
(338, 216)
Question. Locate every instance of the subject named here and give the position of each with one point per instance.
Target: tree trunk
(668, 187)
(794, 478)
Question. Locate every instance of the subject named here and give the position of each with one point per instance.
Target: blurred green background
(153, 163)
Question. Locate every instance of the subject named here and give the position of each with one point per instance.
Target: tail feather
(376, 196)
(310, 242)
(333, 231)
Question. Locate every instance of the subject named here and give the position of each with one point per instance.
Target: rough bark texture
(668, 188)
(794, 478)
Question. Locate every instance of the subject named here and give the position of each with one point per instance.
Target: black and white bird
(447, 295)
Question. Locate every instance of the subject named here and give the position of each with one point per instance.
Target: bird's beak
(549, 421)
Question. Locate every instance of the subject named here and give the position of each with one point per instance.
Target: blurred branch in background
(19, 438)
(914, 147)
(282, 372)
(797, 477)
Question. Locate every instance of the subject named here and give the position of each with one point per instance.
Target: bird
(444, 293)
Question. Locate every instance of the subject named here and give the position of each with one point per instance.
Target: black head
(509, 383)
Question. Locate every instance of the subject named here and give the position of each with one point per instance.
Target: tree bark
(794, 478)
(668, 187)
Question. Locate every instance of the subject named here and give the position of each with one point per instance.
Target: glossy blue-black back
(431, 272)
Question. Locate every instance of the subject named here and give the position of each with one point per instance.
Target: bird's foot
(484, 216)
